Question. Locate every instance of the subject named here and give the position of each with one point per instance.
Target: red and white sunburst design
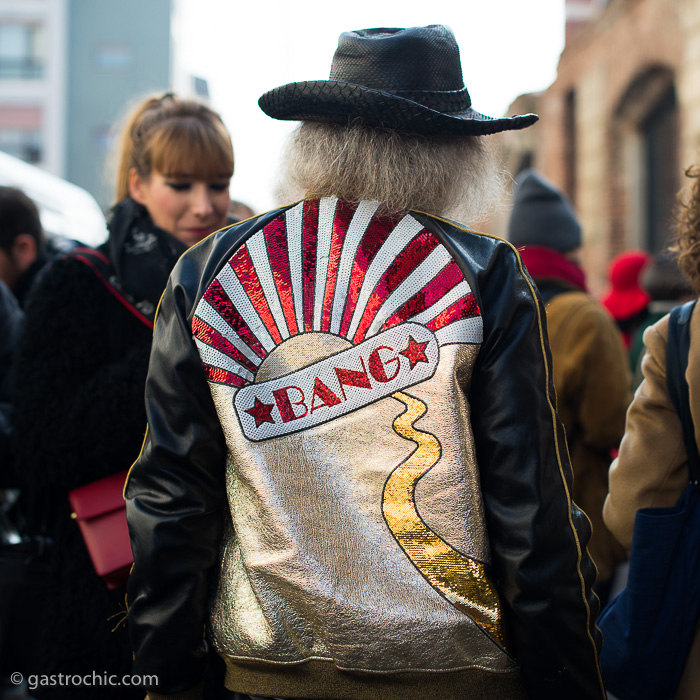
(329, 266)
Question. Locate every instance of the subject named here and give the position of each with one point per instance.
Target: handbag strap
(677, 349)
(102, 267)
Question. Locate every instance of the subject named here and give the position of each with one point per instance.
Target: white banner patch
(376, 368)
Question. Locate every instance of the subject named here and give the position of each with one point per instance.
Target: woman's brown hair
(688, 230)
(175, 137)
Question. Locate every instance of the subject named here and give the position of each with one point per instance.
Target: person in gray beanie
(590, 368)
(544, 218)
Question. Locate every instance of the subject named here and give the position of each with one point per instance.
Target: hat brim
(338, 102)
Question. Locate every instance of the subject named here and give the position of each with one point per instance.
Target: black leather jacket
(177, 500)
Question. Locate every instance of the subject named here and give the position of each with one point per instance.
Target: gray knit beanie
(542, 216)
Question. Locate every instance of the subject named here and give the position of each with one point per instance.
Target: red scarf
(545, 263)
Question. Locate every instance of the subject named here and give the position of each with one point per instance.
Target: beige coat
(593, 386)
(652, 468)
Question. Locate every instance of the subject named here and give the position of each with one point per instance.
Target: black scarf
(142, 255)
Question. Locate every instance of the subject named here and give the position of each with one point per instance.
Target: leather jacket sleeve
(175, 499)
(538, 536)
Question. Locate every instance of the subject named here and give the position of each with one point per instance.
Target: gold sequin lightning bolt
(463, 581)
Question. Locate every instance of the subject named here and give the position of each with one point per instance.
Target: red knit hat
(626, 298)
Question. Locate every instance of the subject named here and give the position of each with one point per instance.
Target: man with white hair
(354, 483)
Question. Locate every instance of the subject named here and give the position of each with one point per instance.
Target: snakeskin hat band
(402, 79)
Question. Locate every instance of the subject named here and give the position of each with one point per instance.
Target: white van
(65, 209)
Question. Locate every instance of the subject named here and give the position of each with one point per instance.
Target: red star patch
(415, 352)
(261, 412)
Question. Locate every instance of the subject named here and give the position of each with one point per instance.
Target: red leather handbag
(99, 507)
(100, 510)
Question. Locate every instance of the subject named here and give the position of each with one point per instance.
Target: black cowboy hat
(403, 79)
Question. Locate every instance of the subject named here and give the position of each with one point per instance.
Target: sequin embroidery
(399, 272)
(462, 580)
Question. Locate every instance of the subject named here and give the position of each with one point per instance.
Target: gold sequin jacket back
(354, 474)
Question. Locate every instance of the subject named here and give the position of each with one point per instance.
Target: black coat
(78, 392)
(10, 321)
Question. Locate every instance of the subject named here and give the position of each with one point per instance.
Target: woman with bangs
(81, 369)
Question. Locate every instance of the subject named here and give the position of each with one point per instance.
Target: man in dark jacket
(11, 317)
(354, 476)
(22, 241)
(25, 250)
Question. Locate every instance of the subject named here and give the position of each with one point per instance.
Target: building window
(645, 172)
(201, 87)
(112, 56)
(660, 138)
(26, 145)
(570, 132)
(103, 139)
(21, 51)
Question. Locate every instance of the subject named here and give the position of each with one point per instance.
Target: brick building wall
(619, 125)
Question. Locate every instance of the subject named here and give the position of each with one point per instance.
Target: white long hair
(453, 176)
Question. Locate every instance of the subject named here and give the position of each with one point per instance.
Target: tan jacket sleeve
(591, 371)
(605, 394)
(652, 469)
